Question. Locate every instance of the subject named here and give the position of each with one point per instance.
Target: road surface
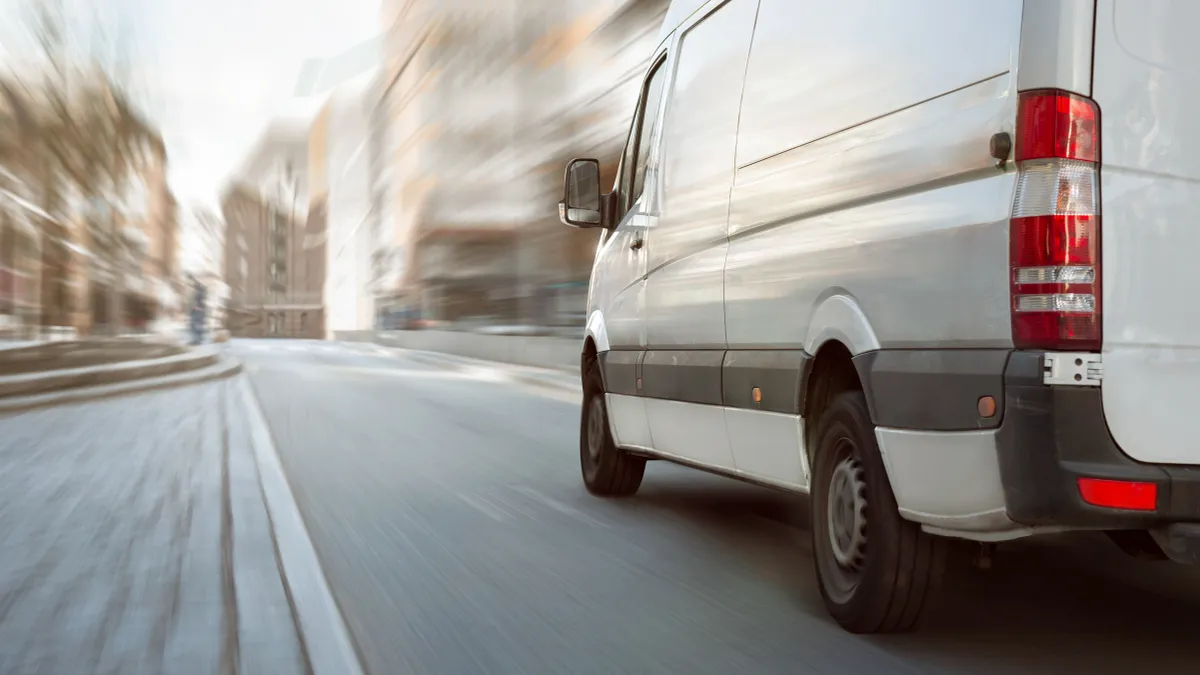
(448, 513)
(134, 539)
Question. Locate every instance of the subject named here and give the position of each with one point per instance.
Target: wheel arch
(595, 341)
(587, 357)
(839, 317)
(828, 374)
(597, 331)
(838, 331)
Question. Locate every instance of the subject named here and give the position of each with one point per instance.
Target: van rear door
(1146, 80)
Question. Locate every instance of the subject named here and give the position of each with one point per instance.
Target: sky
(222, 69)
(213, 73)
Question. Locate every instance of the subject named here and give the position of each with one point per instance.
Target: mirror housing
(582, 204)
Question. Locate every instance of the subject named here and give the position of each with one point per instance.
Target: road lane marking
(322, 627)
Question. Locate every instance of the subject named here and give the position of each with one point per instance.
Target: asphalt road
(447, 510)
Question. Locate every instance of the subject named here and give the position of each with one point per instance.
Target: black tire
(607, 470)
(877, 574)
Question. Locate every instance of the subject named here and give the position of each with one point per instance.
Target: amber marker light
(987, 407)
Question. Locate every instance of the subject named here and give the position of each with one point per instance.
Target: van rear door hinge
(1078, 370)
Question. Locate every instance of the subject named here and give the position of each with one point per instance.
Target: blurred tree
(76, 138)
(97, 136)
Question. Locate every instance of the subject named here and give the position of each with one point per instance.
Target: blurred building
(340, 185)
(130, 256)
(33, 254)
(156, 290)
(608, 61)
(480, 104)
(90, 220)
(22, 220)
(274, 260)
(20, 258)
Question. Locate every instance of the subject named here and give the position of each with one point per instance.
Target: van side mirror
(581, 204)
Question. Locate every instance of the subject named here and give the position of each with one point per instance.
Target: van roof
(677, 13)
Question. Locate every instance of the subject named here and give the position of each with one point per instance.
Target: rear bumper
(1050, 437)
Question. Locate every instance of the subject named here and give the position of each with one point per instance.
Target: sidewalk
(136, 540)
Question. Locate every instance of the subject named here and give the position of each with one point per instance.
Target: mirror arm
(608, 210)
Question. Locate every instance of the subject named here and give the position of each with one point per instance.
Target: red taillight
(1054, 241)
(1056, 125)
(1055, 230)
(1119, 494)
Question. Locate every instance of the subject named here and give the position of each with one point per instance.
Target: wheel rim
(595, 430)
(846, 521)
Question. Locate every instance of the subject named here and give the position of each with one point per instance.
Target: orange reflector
(987, 406)
(757, 394)
(1119, 494)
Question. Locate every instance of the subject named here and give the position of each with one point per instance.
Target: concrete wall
(538, 351)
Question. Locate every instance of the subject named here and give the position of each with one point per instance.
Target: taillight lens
(1055, 229)
(1053, 124)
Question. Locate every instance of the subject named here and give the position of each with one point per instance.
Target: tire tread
(619, 474)
(919, 562)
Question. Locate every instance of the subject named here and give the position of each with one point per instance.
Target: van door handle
(636, 244)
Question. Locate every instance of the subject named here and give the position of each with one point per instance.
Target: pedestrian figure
(198, 313)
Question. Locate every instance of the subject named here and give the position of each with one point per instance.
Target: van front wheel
(607, 470)
(876, 570)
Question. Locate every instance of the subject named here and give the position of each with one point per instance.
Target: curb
(321, 627)
(45, 382)
(48, 356)
(222, 368)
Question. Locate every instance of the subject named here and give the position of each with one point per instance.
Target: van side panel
(1147, 84)
(818, 68)
(684, 294)
(1056, 45)
(865, 171)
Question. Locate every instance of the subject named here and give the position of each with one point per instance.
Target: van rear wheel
(876, 570)
(607, 470)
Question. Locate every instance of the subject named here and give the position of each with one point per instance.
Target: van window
(637, 148)
(654, 94)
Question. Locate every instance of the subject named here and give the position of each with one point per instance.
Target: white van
(931, 261)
